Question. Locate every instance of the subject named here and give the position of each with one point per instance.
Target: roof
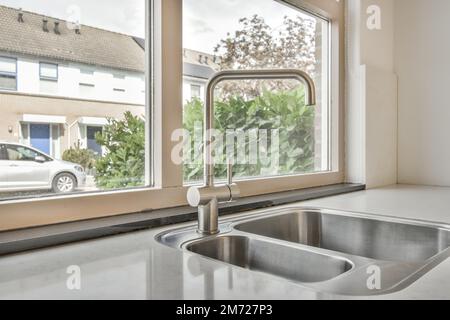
(93, 46)
(199, 64)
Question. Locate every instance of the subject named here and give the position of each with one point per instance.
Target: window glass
(8, 82)
(65, 106)
(3, 155)
(263, 127)
(195, 91)
(8, 73)
(8, 65)
(49, 71)
(17, 153)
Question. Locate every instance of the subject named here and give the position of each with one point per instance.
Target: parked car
(23, 168)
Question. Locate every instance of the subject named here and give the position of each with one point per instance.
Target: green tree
(256, 45)
(284, 111)
(124, 162)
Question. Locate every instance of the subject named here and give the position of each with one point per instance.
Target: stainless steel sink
(269, 257)
(327, 251)
(375, 239)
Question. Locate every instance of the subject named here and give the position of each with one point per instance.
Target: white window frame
(45, 78)
(165, 73)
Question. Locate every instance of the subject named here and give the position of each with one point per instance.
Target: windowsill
(47, 236)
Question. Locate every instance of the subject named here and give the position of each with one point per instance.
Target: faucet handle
(235, 192)
(230, 173)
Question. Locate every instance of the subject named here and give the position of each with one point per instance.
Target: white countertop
(135, 266)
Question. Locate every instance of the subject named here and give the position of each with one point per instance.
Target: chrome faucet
(208, 197)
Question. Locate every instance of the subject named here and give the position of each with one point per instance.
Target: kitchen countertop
(135, 266)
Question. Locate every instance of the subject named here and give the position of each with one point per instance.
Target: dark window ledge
(47, 236)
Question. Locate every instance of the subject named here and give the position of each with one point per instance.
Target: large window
(129, 84)
(263, 127)
(60, 100)
(48, 71)
(8, 73)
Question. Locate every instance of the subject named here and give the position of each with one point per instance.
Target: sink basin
(370, 238)
(325, 250)
(279, 260)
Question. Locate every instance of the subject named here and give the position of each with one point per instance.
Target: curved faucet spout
(239, 75)
(208, 197)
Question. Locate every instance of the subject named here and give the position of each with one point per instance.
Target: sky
(206, 22)
(124, 16)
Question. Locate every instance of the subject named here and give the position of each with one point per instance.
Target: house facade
(60, 83)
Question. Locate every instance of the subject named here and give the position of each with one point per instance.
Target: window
(18, 153)
(8, 74)
(195, 91)
(121, 181)
(263, 127)
(48, 71)
(3, 154)
(52, 125)
(92, 144)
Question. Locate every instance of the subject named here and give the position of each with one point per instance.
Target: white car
(24, 168)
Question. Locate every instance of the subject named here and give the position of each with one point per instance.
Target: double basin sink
(324, 250)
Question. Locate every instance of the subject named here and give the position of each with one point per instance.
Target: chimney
(45, 25)
(56, 29)
(77, 28)
(20, 18)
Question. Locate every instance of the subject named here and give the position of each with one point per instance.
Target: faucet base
(208, 218)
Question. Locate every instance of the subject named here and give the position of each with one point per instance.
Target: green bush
(124, 162)
(83, 157)
(283, 110)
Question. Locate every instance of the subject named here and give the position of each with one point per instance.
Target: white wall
(422, 54)
(371, 117)
(69, 78)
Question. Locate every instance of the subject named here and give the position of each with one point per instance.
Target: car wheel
(64, 183)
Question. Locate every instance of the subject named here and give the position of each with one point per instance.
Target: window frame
(164, 75)
(45, 78)
(10, 74)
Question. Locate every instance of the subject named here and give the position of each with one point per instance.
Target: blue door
(91, 142)
(40, 137)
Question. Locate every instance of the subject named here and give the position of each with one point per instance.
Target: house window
(264, 126)
(52, 124)
(48, 71)
(195, 91)
(91, 142)
(8, 74)
(150, 175)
